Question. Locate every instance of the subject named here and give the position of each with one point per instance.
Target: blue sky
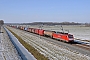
(24, 11)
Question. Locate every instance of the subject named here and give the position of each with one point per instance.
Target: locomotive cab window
(70, 36)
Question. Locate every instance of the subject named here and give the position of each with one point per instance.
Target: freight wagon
(29, 29)
(36, 31)
(48, 33)
(25, 28)
(41, 32)
(33, 30)
(22, 28)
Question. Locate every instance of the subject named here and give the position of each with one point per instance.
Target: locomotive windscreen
(70, 36)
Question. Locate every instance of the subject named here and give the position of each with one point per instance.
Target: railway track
(75, 46)
(75, 43)
(52, 53)
(84, 48)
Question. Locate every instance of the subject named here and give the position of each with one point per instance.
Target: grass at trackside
(31, 49)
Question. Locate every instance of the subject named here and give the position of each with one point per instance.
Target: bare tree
(1, 22)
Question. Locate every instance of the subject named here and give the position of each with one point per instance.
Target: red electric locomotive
(63, 36)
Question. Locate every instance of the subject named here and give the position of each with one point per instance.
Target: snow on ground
(79, 31)
(50, 50)
(7, 50)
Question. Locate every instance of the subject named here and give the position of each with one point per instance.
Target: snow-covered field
(50, 50)
(79, 31)
(7, 50)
